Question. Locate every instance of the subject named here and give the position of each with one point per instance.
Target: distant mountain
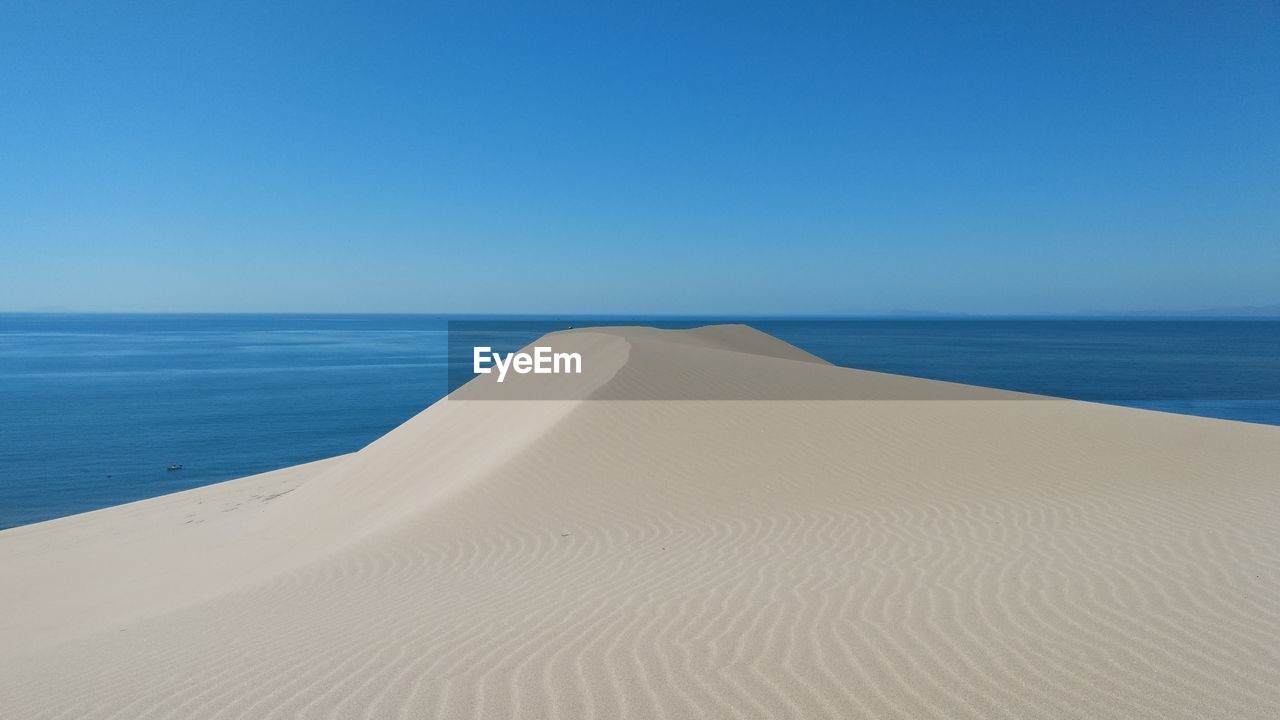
(908, 313)
(1244, 311)
(1250, 311)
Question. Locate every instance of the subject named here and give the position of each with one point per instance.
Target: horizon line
(892, 315)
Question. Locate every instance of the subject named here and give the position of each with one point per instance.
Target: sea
(94, 409)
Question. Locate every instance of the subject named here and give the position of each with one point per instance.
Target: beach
(704, 523)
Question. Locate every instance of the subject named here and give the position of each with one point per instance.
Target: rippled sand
(911, 549)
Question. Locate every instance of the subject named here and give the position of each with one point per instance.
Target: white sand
(931, 550)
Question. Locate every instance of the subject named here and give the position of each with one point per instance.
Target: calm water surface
(94, 407)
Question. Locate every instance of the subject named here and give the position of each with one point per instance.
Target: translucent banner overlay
(1220, 369)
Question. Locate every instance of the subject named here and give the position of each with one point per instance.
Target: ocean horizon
(99, 406)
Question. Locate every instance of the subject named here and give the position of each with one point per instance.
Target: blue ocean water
(94, 407)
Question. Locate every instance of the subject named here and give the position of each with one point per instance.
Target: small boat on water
(173, 468)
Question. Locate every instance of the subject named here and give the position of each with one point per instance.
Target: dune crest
(705, 523)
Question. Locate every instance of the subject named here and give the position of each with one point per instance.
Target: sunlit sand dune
(686, 530)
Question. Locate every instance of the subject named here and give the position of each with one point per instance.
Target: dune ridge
(910, 549)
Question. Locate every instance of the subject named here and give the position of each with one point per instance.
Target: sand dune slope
(911, 549)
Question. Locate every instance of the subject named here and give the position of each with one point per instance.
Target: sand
(913, 550)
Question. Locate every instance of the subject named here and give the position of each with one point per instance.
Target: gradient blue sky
(655, 158)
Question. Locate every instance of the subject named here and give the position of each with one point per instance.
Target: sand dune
(910, 549)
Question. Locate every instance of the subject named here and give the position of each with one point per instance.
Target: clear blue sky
(657, 158)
